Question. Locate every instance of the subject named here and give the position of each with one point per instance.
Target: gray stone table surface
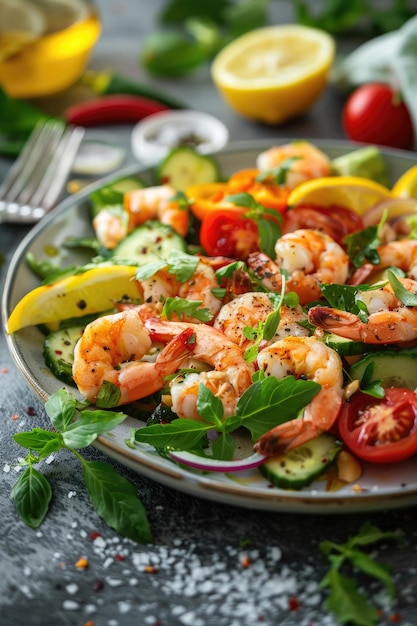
(210, 564)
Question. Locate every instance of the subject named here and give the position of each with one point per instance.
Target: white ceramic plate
(382, 487)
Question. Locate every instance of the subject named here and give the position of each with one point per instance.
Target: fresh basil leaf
(115, 500)
(209, 407)
(190, 308)
(43, 441)
(227, 270)
(242, 200)
(180, 434)
(270, 402)
(362, 245)
(108, 395)
(269, 233)
(408, 298)
(61, 409)
(31, 495)
(280, 173)
(223, 447)
(370, 386)
(89, 426)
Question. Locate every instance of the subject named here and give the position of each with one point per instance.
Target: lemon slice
(274, 73)
(352, 192)
(406, 185)
(21, 23)
(94, 291)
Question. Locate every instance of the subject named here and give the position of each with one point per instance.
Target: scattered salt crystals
(114, 582)
(6, 468)
(108, 562)
(190, 619)
(27, 571)
(27, 591)
(72, 494)
(72, 589)
(99, 543)
(124, 607)
(50, 459)
(89, 609)
(70, 605)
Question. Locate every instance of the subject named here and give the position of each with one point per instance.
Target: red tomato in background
(228, 233)
(334, 220)
(374, 113)
(380, 430)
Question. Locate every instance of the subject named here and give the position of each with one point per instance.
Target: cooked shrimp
(140, 205)
(200, 287)
(156, 203)
(231, 371)
(402, 254)
(308, 162)
(110, 350)
(110, 227)
(306, 357)
(389, 321)
(251, 308)
(309, 257)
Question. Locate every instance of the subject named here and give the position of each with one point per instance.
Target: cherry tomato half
(227, 232)
(334, 220)
(374, 113)
(380, 430)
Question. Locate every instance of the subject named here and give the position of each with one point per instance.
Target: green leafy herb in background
(191, 33)
(349, 605)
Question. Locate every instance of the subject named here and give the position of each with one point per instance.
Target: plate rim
(182, 479)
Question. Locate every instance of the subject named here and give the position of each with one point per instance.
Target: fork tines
(38, 175)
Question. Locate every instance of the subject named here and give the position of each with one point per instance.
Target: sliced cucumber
(184, 166)
(58, 350)
(149, 242)
(299, 467)
(346, 347)
(394, 368)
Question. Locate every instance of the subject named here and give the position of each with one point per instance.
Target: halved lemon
(274, 73)
(406, 185)
(352, 192)
(94, 291)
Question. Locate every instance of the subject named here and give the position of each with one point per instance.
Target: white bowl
(157, 134)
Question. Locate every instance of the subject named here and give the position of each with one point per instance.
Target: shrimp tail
(319, 416)
(173, 354)
(334, 321)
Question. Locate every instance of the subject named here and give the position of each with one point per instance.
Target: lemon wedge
(352, 192)
(21, 23)
(274, 73)
(94, 291)
(406, 185)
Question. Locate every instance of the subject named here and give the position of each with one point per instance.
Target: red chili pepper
(112, 110)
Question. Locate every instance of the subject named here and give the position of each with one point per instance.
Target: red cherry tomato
(380, 430)
(334, 220)
(374, 113)
(227, 232)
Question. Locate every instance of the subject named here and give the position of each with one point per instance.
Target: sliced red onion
(215, 465)
(395, 207)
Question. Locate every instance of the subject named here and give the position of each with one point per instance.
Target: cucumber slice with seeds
(184, 166)
(149, 242)
(394, 369)
(58, 349)
(299, 467)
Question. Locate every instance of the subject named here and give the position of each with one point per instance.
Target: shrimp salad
(262, 311)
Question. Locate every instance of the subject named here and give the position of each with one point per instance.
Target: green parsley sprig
(345, 600)
(113, 497)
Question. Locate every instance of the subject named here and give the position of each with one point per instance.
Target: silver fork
(38, 176)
